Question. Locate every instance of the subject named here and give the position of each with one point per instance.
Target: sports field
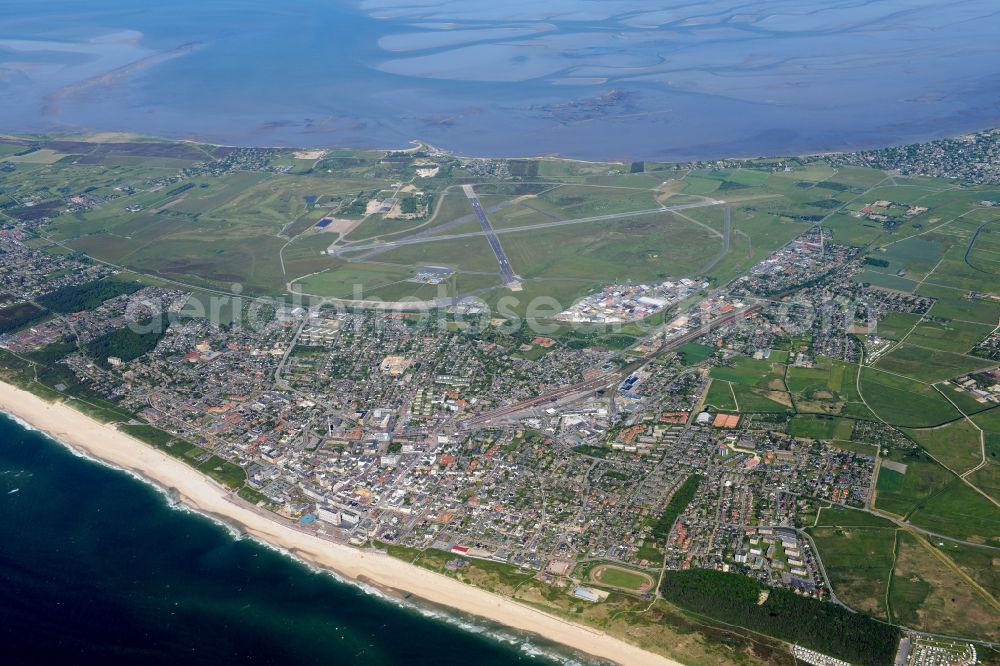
(626, 579)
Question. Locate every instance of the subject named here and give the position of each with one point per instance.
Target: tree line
(818, 625)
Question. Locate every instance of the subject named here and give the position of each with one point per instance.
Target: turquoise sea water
(96, 568)
(633, 79)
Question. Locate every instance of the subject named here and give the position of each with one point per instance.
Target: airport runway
(527, 227)
(506, 272)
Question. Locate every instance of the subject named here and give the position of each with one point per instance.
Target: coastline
(108, 136)
(203, 495)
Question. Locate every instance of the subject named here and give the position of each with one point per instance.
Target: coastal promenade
(196, 491)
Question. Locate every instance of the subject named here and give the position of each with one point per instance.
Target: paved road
(527, 227)
(972, 242)
(726, 234)
(429, 232)
(506, 272)
(604, 380)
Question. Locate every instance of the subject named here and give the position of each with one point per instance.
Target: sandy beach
(200, 493)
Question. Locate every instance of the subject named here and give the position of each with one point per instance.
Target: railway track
(606, 379)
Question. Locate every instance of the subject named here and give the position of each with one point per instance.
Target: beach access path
(202, 494)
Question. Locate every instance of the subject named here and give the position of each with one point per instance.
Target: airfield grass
(532, 211)
(641, 249)
(353, 280)
(449, 206)
(453, 206)
(305, 255)
(570, 170)
(212, 231)
(379, 226)
(575, 201)
(467, 254)
(698, 184)
(210, 194)
(252, 262)
(223, 229)
(454, 210)
(407, 291)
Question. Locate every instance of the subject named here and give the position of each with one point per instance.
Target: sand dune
(204, 495)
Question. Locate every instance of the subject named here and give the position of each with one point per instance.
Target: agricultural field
(960, 512)
(859, 561)
(693, 353)
(904, 402)
(977, 562)
(928, 365)
(749, 399)
(955, 445)
(370, 226)
(949, 335)
(763, 373)
(954, 304)
(896, 575)
(895, 325)
(820, 427)
(721, 396)
(917, 478)
(928, 594)
(829, 387)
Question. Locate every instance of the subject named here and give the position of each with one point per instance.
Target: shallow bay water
(630, 79)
